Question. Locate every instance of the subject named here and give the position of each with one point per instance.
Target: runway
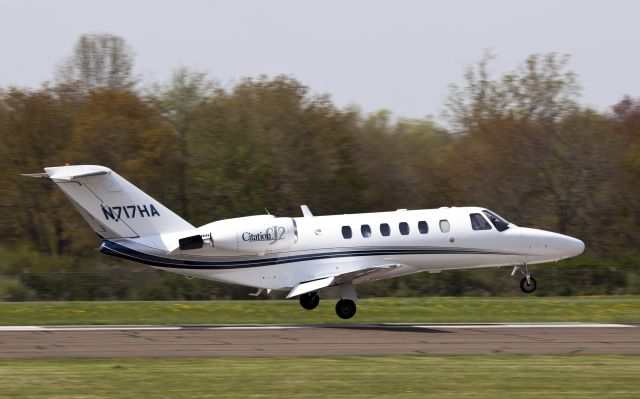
(318, 340)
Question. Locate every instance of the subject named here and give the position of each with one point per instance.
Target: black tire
(309, 300)
(345, 308)
(526, 287)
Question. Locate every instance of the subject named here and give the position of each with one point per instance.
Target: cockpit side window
(478, 222)
(499, 223)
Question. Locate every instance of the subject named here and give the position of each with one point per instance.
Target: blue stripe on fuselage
(115, 249)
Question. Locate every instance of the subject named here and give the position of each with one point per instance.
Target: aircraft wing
(370, 273)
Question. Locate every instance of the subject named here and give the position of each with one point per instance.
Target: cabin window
(423, 227)
(385, 230)
(499, 223)
(445, 226)
(346, 232)
(365, 229)
(478, 222)
(404, 228)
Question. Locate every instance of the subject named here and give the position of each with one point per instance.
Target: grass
(361, 377)
(382, 310)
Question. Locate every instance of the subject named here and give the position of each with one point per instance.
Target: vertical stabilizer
(111, 205)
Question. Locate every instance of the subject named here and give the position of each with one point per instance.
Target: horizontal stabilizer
(35, 174)
(310, 286)
(70, 173)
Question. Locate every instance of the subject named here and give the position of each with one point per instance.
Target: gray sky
(399, 55)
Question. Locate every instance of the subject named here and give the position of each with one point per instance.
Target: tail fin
(112, 206)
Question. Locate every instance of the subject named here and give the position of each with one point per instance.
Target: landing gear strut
(346, 306)
(528, 284)
(310, 300)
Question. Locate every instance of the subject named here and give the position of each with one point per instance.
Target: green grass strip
(385, 310)
(360, 377)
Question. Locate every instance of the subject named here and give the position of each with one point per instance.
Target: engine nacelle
(251, 234)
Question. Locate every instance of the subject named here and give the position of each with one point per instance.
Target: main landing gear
(528, 284)
(346, 306)
(310, 300)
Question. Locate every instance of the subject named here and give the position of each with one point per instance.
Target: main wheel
(309, 300)
(528, 287)
(345, 308)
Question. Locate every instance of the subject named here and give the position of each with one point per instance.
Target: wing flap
(362, 275)
(310, 286)
(370, 273)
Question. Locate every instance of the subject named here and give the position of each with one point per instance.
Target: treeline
(520, 144)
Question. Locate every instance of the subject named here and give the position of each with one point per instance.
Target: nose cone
(571, 246)
(548, 246)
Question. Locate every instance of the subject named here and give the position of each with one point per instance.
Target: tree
(624, 195)
(98, 61)
(577, 169)
(35, 130)
(119, 130)
(178, 101)
(479, 100)
(539, 90)
(268, 143)
(518, 137)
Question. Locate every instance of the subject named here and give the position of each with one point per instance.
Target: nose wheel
(528, 284)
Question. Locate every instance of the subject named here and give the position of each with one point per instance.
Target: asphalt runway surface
(318, 340)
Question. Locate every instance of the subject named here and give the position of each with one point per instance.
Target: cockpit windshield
(499, 223)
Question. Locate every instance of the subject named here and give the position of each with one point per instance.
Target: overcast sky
(399, 55)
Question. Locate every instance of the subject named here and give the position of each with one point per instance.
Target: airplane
(303, 255)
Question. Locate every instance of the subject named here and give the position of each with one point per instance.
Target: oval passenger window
(444, 226)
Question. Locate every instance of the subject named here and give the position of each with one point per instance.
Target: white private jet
(303, 254)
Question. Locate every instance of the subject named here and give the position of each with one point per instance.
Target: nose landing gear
(528, 284)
